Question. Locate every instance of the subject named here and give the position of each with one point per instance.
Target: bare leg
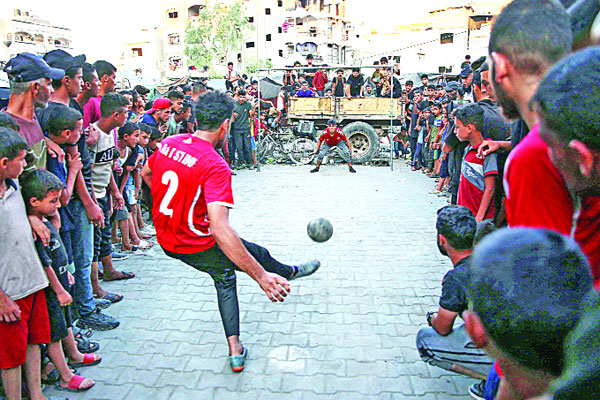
(235, 347)
(96, 287)
(110, 273)
(124, 227)
(55, 352)
(11, 382)
(468, 372)
(140, 218)
(71, 350)
(32, 372)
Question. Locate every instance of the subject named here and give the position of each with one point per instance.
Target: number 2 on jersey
(171, 179)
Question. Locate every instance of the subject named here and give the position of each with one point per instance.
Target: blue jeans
(81, 242)
(417, 156)
(342, 146)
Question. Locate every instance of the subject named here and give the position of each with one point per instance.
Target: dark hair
(198, 87)
(484, 228)
(144, 127)
(112, 103)
(186, 104)
(424, 76)
(567, 98)
(437, 104)
(533, 34)
(104, 68)
(148, 105)
(484, 67)
(186, 88)
(471, 114)
(458, 225)
(241, 92)
(62, 118)
(142, 90)
(38, 183)
(229, 63)
(11, 143)
(70, 72)
(88, 72)
(526, 286)
(478, 63)
(409, 82)
(175, 95)
(467, 57)
(7, 121)
(155, 133)
(477, 77)
(355, 69)
(383, 59)
(212, 108)
(340, 70)
(430, 86)
(127, 129)
(376, 63)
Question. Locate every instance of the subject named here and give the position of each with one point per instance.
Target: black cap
(63, 60)
(452, 86)
(27, 67)
(332, 122)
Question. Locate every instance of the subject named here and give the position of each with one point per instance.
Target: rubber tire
(305, 156)
(369, 134)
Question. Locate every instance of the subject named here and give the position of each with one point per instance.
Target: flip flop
(125, 276)
(88, 361)
(74, 385)
(86, 346)
(113, 297)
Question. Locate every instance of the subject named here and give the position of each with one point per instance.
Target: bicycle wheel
(301, 151)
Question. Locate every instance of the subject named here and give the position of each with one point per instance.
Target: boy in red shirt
(333, 137)
(478, 175)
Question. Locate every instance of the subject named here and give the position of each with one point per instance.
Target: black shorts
(60, 317)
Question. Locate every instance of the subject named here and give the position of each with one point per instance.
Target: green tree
(255, 65)
(218, 29)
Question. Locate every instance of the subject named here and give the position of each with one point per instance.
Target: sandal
(113, 297)
(54, 377)
(144, 244)
(86, 346)
(74, 384)
(124, 276)
(88, 361)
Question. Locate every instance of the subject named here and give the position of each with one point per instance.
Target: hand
(118, 200)
(74, 162)
(95, 215)
(119, 171)
(163, 128)
(275, 286)
(39, 230)
(9, 310)
(54, 150)
(71, 278)
(486, 147)
(444, 156)
(93, 135)
(64, 298)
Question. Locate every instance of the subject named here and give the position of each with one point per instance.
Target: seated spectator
(369, 90)
(377, 75)
(441, 345)
(42, 191)
(305, 91)
(478, 176)
(24, 321)
(526, 287)
(356, 81)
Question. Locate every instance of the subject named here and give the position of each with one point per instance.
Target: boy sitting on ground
(42, 191)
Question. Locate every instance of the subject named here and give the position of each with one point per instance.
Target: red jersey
(337, 137)
(187, 175)
(474, 170)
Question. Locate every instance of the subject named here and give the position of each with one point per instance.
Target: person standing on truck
(339, 86)
(333, 137)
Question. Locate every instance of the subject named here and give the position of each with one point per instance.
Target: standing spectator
(309, 73)
(174, 123)
(158, 116)
(466, 63)
(320, 81)
(339, 87)
(30, 80)
(424, 82)
(377, 75)
(24, 323)
(240, 132)
(231, 77)
(305, 91)
(356, 82)
(412, 116)
(441, 345)
(478, 176)
(107, 73)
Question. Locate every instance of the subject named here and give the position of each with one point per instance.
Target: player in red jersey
(333, 137)
(191, 192)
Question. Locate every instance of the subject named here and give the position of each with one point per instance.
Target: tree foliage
(255, 65)
(218, 29)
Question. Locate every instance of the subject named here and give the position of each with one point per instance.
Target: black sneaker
(312, 171)
(97, 321)
(306, 269)
(477, 390)
(351, 169)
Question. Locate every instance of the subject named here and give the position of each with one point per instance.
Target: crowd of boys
(514, 145)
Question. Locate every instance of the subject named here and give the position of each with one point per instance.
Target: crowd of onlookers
(514, 145)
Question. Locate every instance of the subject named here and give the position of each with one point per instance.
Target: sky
(100, 27)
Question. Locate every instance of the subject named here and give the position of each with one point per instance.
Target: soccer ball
(319, 230)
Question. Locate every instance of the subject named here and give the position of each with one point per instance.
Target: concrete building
(22, 31)
(451, 30)
(139, 61)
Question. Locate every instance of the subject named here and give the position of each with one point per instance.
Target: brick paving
(347, 332)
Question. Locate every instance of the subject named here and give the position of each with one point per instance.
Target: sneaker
(240, 166)
(312, 171)
(102, 304)
(306, 269)
(149, 230)
(351, 169)
(251, 166)
(97, 321)
(116, 256)
(238, 362)
(477, 390)
(435, 191)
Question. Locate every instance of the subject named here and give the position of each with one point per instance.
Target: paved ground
(348, 332)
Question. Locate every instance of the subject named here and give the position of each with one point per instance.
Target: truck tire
(364, 141)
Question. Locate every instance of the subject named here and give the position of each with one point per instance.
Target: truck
(364, 120)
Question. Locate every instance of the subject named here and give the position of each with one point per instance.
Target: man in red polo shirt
(333, 137)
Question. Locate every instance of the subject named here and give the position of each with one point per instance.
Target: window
(279, 3)
(267, 11)
(136, 52)
(251, 19)
(23, 37)
(249, 44)
(174, 38)
(174, 63)
(280, 30)
(172, 14)
(447, 38)
(39, 38)
(280, 53)
(268, 37)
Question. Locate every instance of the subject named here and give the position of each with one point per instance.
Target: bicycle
(284, 145)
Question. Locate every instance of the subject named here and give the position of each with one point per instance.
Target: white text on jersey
(178, 155)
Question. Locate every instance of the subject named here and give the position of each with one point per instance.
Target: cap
(63, 60)
(452, 86)
(332, 122)
(465, 72)
(160, 103)
(27, 67)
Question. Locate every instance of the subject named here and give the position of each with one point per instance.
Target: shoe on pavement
(306, 269)
(435, 191)
(312, 171)
(102, 304)
(97, 321)
(238, 362)
(477, 390)
(116, 256)
(351, 169)
(149, 230)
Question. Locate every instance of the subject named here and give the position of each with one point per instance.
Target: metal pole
(392, 118)
(257, 152)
